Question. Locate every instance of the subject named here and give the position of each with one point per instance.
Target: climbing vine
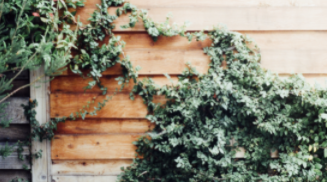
(207, 117)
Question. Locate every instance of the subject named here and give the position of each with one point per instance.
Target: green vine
(206, 116)
(192, 140)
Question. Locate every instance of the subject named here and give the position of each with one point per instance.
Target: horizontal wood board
(12, 161)
(12, 167)
(9, 175)
(84, 178)
(282, 52)
(14, 111)
(258, 15)
(15, 132)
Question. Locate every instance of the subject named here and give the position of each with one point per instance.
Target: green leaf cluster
(207, 117)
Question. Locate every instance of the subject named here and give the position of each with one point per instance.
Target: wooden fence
(19, 129)
(292, 35)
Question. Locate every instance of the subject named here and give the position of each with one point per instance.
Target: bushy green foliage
(6, 150)
(208, 116)
(30, 39)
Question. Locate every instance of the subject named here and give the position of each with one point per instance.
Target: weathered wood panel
(104, 126)
(41, 166)
(20, 80)
(260, 16)
(120, 106)
(89, 167)
(15, 111)
(14, 133)
(84, 178)
(23, 75)
(25, 92)
(12, 161)
(93, 146)
(9, 175)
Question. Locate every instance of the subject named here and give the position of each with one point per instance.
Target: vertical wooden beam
(39, 91)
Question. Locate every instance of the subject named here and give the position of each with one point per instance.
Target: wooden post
(39, 91)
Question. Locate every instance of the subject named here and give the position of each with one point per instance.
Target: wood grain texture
(259, 15)
(294, 61)
(14, 111)
(75, 84)
(104, 126)
(15, 132)
(231, 3)
(89, 167)
(102, 147)
(9, 175)
(88, 147)
(40, 92)
(84, 178)
(12, 161)
(266, 40)
(282, 52)
(120, 106)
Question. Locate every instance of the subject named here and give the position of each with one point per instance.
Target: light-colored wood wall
(292, 36)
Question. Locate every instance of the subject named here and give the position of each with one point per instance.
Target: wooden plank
(120, 106)
(25, 92)
(84, 178)
(231, 3)
(9, 175)
(75, 84)
(266, 40)
(219, 3)
(158, 62)
(258, 15)
(88, 147)
(15, 132)
(15, 111)
(89, 167)
(12, 161)
(101, 147)
(41, 166)
(104, 126)
(23, 75)
(235, 18)
(294, 61)
(291, 49)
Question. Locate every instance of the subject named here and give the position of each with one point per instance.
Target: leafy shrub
(236, 104)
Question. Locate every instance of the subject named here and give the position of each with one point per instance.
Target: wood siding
(19, 129)
(291, 34)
